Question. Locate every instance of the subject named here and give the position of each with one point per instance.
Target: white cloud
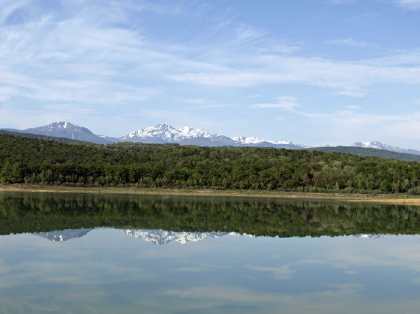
(407, 4)
(285, 103)
(349, 42)
(346, 78)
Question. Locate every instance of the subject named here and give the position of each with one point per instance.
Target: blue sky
(309, 71)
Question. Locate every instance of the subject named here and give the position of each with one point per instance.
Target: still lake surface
(123, 254)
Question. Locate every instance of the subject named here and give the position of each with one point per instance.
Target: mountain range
(163, 133)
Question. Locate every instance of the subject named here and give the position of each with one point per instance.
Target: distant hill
(379, 145)
(365, 152)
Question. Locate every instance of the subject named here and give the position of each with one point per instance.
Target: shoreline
(399, 199)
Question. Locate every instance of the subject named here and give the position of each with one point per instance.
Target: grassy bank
(401, 199)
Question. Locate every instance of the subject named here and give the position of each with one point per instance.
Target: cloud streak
(350, 42)
(284, 103)
(407, 4)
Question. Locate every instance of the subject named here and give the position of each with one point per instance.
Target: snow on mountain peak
(249, 140)
(189, 132)
(379, 145)
(284, 142)
(163, 133)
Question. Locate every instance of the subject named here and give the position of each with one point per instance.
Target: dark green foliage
(36, 161)
(365, 152)
(42, 212)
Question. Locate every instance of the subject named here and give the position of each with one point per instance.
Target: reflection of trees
(28, 213)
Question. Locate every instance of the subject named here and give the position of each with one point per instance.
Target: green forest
(48, 162)
(22, 213)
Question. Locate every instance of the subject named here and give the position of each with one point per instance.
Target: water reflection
(20, 213)
(63, 235)
(107, 271)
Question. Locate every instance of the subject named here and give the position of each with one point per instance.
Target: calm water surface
(135, 269)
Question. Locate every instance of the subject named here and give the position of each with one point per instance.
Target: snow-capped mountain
(68, 130)
(162, 237)
(379, 145)
(63, 235)
(253, 140)
(249, 140)
(163, 133)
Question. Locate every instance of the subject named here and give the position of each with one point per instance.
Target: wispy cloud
(407, 4)
(350, 42)
(7, 92)
(285, 103)
(385, 127)
(345, 78)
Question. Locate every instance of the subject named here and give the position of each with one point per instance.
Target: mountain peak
(68, 130)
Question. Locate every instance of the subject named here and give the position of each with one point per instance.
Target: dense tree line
(44, 213)
(36, 161)
(365, 151)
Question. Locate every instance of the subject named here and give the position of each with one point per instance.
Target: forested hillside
(36, 161)
(365, 151)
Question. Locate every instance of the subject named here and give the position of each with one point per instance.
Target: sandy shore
(382, 198)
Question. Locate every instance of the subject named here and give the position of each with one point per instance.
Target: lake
(63, 253)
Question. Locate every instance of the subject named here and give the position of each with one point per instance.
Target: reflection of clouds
(221, 294)
(340, 299)
(100, 275)
(200, 268)
(280, 272)
(350, 272)
(405, 255)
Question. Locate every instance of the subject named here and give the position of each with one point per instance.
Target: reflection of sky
(107, 271)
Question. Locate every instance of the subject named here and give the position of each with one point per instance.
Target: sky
(317, 72)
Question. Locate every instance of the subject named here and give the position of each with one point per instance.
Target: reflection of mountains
(153, 236)
(159, 236)
(163, 237)
(370, 236)
(63, 235)
(22, 213)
